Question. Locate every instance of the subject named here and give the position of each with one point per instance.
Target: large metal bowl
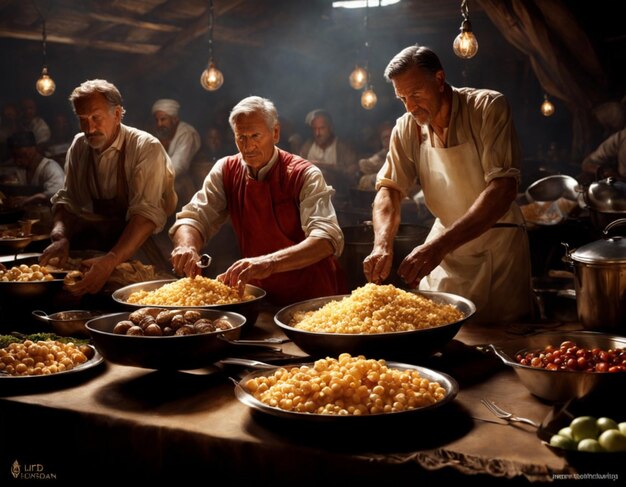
(402, 345)
(447, 382)
(12, 245)
(551, 188)
(29, 289)
(164, 352)
(249, 308)
(562, 385)
(67, 323)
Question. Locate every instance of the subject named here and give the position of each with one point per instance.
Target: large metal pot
(359, 242)
(600, 281)
(606, 200)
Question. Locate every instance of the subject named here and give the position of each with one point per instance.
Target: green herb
(6, 340)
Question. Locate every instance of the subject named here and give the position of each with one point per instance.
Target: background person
(181, 141)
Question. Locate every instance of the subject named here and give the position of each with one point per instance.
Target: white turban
(166, 105)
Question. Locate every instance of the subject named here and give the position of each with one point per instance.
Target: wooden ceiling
(148, 27)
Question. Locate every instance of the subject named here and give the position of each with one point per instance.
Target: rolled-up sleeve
(501, 154)
(317, 214)
(147, 184)
(400, 168)
(207, 210)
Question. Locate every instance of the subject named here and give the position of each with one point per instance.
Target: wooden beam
(134, 23)
(127, 47)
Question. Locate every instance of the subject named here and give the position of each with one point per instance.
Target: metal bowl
(67, 323)
(551, 188)
(562, 385)
(447, 382)
(14, 244)
(396, 345)
(249, 308)
(164, 352)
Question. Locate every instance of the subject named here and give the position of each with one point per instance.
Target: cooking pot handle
(567, 257)
(264, 344)
(612, 225)
(40, 315)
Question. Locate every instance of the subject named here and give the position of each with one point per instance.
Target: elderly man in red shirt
(281, 211)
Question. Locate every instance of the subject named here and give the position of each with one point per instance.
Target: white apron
(493, 270)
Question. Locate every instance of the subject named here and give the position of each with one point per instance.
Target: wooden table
(123, 423)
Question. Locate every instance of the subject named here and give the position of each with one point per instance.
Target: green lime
(589, 444)
(567, 432)
(606, 424)
(563, 442)
(584, 427)
(612, 440)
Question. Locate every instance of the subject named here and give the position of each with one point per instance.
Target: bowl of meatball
(160, 338)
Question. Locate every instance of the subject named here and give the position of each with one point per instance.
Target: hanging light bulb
(211, 78)
(45, 84)
(358, 77)
(547, 107)
(465, 44)
(368, 98)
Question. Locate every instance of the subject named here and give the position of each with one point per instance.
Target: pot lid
(607, 195)
(609, 250)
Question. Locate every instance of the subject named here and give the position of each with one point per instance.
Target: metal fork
(502, 414)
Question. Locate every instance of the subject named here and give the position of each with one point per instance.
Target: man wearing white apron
(460, 145)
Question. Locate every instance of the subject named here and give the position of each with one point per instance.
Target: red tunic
(266, 218)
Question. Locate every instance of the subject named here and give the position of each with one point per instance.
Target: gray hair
(255, 104)
(93, 86)
(413, 56)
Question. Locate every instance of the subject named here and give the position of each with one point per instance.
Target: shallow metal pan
(171, 352)
(404, 345)
(245, 397)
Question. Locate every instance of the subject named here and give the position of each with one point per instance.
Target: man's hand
(58, 248)
(377, 265)
(184, 258)
(99, 269)
(244, 270)
(420, 262)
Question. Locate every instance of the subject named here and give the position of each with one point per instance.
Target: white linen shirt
(146, 165)
(183, 147)
(208, 210)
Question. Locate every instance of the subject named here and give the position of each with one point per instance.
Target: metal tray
(245, 397)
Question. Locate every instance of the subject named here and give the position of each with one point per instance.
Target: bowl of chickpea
(558, 366)
(345, 388)
(27, 281)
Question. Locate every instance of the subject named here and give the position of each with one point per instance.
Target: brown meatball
(146, 321)
(153, 330)
(222, 324)
(122, 327)
(168, 331)
(204, 326)
(185, 330)
(164, 317)
(135, 331)
(141, 313)
(191, 316)
(177, 321)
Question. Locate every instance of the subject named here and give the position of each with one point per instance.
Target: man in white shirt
(34, 169)
(334, 156)
(34, 123)
(182, 142)
(119, 187)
